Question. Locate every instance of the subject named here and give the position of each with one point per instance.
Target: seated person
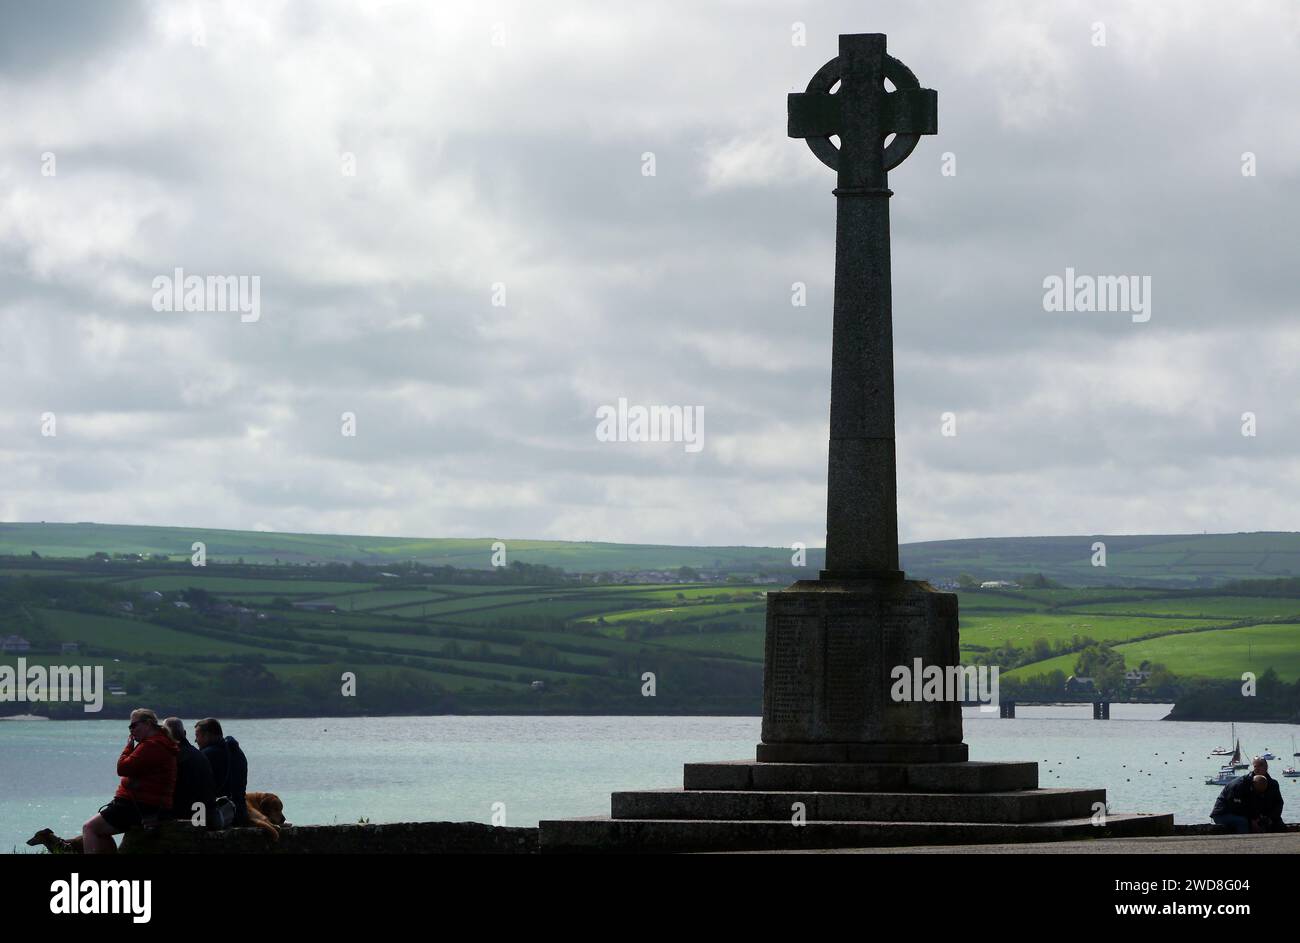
(194, 783)
(1270, 803)
(147, 766)
(229, 765)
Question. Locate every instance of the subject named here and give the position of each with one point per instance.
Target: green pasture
(1221, 653)
(1022, 630)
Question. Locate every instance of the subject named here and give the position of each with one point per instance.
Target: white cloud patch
(382, 166)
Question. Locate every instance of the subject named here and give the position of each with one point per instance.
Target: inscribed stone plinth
(831, 647)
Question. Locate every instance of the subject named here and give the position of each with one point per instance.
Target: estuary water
(331, 771)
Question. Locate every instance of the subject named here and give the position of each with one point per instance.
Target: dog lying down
(265, 811)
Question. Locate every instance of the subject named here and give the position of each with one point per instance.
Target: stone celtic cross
(862, 504)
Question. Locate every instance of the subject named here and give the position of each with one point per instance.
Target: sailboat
(1228, 772)
(1291, 772)
(1220, 751)
(1235, 762)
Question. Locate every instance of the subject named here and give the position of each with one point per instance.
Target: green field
(1209, 607)
(681, 612)
(1022, 629)
(131, 635)
(1223, 653)
(77, 541)
(234, 585)
(1175, 560)
(430, 634)
(379, 598)
(747, 645)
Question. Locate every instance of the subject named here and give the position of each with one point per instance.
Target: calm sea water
(57, 773)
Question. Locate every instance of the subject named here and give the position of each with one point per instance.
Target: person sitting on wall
(1238, 805)
(229, 765)
(147, 766)
(1270, 803)
(194, 785)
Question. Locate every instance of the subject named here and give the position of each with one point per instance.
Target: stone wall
(442, 838)
(1209, 828)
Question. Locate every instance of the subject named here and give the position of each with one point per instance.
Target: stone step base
(968, 777)
(862, 752)
(665, 835)
(1020, 806)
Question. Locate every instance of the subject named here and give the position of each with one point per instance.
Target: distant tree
(687, 574)
(197, 597)
(966, 581)
(35, 555)
(1037, 581)
(1162, 683)
(1055, 681)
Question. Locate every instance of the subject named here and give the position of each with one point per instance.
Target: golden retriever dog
(265, 811)
(56, 845)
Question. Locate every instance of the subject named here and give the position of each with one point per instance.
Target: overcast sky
(504, 142)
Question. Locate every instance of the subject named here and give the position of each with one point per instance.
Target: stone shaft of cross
(862, 504)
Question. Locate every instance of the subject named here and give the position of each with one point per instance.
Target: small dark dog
(56, 845)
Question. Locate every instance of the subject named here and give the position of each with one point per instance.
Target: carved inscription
(848, 667)
(790, 690)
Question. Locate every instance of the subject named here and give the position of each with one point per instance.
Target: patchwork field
(487, 643)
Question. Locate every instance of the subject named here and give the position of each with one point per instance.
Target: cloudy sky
(386, 167)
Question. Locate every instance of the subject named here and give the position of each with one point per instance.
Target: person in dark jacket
(194, 785)
(1238, 805)
(229, 765)
(147, 766)
(1270, 803)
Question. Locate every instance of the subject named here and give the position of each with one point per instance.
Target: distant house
(539, 685)
(181, 604)
(1079, 684)
(15, 643)
(998, 584)
(390, 576)
(126, 606)
(152, 596)
(117, 690)
(69, 648)
(1136, 675)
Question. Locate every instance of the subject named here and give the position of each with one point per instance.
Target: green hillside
(281, 640)
(78, 541)
(1186, 559)
(1189, 560)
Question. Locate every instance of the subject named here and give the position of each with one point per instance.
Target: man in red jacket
(148, 770)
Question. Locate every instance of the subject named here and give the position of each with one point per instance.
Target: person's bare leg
(97, 837)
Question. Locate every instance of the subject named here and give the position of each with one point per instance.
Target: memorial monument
(841, 762)
(832, 642)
